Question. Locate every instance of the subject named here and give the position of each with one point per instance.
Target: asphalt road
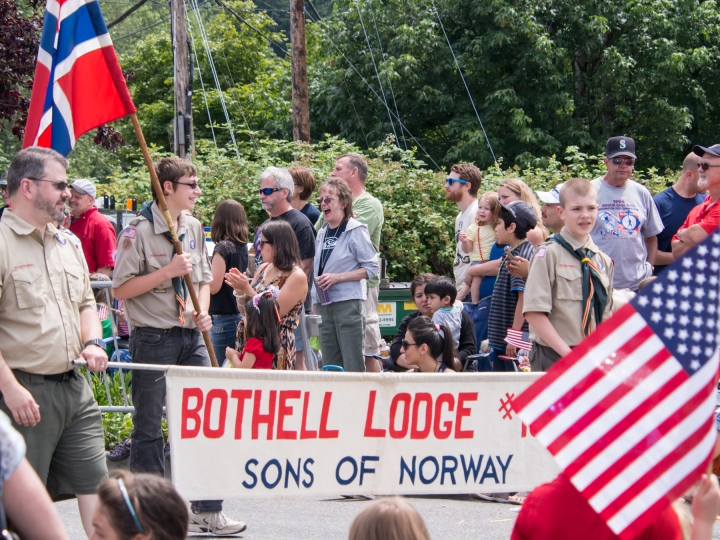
(457, 518)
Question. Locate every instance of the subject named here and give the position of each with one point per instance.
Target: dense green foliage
(418, 230)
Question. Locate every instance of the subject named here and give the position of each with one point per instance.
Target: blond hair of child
(478, 240)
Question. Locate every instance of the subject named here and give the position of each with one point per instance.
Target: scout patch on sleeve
(129, 233)
(540, 253)
(126, 243)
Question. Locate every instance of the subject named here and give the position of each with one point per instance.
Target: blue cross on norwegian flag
(628, 415)
(78, 82)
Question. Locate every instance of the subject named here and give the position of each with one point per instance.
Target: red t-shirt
(706, 214)
(97, 236)
(263, 359)
(557, 511)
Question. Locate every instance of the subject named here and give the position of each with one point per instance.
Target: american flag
(102, 311)
(629, 413)
(519, 339)
(78, 82)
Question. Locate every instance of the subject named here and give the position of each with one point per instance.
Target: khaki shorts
(67, 447)
(372, 324)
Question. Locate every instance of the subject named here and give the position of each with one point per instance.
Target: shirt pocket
(569, 283)
(75, 276)
(29, 287)
(153, 266)
(197, 266)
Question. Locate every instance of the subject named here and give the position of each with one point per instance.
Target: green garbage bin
(394, 303)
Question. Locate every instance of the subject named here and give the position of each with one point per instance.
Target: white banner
(263, 434)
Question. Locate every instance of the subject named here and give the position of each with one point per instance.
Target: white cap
(86, 187)
(552, 196)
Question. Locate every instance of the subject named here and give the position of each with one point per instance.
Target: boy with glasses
(628, 221)
(461, 187)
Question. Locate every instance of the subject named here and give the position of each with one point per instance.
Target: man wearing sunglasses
(48, 319)
(703, 219)
(628, 221)
(93, 229)
(461, 187)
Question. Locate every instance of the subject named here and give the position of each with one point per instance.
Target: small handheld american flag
(629, 413)
(519, 339)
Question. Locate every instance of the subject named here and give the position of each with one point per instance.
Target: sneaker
(215, 523)
(120, 452)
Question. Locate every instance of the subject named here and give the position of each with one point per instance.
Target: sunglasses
(450, 181)
(262, 242)
(326, 200)
(268, 191)
(191, 185)
(60, 186)
(627, 161)
(406, 344)
(705, 166)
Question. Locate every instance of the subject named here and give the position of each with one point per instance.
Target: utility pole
(183, 124)
(300, 106)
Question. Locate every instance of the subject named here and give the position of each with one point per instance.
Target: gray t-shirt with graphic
(626, 216)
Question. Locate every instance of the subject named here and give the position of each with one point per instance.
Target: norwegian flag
(78, 83)
(519, 339)
(629, 413)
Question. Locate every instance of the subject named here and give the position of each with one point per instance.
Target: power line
(161, 21)
(371, 88)
(463, 80)
(242, 20)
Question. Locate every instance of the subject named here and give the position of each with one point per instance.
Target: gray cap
(86, 187)
(3, 179)
(714, 150)
(523, 213)
(552, 196)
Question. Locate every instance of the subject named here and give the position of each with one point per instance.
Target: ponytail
(438, 339)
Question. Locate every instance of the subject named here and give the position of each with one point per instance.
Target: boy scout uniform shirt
(554, 287)
(43, 288)
(143, 248)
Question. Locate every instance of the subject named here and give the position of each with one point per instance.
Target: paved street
(307, 519)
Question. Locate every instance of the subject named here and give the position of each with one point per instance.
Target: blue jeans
(174, 346)
(223, 333)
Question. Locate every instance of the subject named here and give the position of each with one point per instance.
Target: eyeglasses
(268, 191)
(627, 161)
(262, 242)
(326, 200)
(406, 344)
(450, 181)
(60, 186)
(705, 166)
(191, 185)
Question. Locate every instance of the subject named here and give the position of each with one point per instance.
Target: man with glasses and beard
(628, 221)
(461, 187)
(703, 219)
(48, 319)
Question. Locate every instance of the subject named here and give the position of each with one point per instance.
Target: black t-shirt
(331, 238)
(303, 229)
(235, 256)
(312, 213)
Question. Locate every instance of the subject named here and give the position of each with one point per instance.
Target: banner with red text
(262, 434)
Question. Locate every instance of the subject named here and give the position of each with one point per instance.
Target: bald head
(690, 163)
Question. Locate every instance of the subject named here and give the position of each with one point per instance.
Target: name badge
(159, 290)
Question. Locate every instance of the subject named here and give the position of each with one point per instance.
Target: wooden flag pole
(171, 226)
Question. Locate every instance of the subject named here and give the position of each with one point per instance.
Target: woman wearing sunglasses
(139, 507)
(281, 268)
(344, 259)
(430, 347)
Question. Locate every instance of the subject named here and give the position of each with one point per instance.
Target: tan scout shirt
(143, 248)
(43, 288)
(554, 286)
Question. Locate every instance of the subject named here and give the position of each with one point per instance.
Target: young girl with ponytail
(430, 347)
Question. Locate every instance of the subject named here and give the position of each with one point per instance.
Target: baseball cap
(714, 150)
(86, 187)
(552, 196)
(3, 179)
(523, 214)
(620, 146)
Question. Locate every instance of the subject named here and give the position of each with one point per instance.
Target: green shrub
(418, 232)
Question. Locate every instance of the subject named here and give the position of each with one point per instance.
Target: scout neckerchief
(181, 290)
(594, 292)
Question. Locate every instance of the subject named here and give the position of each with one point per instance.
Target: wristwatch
(98, 342)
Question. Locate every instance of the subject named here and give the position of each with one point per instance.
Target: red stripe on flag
(647, 442)
(578, 353)
(632, 531)
(37, 104)
(626, 423)
(609, 400)
(591, 379)
(657, 471)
